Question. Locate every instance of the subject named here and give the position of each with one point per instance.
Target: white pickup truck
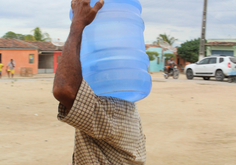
(218, 66)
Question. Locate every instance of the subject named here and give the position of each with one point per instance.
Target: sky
(181, 19)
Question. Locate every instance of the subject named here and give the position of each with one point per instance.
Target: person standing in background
(1, 66)
(11, 68)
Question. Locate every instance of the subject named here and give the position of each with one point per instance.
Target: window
(204, 61)
(158, 60)
(31, 58)
(212, 61)
(221, 60)
(233, 59)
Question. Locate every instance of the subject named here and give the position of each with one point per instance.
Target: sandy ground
(186, 123)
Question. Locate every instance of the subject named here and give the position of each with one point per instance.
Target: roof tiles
(13, 43)
(220, 44)
(45, 46)
(19, 44)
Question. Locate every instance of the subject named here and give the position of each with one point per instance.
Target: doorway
(45, 63)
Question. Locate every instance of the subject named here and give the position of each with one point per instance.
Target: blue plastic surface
(114, 62)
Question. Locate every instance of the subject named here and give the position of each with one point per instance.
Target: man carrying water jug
(108, 130)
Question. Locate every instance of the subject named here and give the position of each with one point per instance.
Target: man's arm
(68, 76)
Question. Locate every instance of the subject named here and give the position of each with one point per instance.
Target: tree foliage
(9, 34)
(169, 55)
(37, 35)
(190, 50)
(152, 55)
(13, 35)
(29, 37)
(165, 37)
(40, 36)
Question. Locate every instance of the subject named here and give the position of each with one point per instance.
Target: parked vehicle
(172, 72)
(218, 66)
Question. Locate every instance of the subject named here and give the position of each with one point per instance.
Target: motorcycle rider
(170, 64)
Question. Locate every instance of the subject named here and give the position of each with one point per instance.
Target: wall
(154, 67)
(57, 56)
(230, 48)
(182, 61)
(21, 58)
(221, 40)
(210, 48)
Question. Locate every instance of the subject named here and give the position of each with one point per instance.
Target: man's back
(108, 130)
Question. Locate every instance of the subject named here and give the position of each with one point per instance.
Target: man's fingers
(98, 5)
(86, 1)
(73, 4)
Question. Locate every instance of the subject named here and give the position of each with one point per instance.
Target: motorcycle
(172, 72)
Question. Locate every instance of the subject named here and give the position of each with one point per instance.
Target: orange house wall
(21, 58)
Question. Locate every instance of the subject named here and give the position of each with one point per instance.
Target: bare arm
(68, 76)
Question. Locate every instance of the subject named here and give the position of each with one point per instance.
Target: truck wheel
(189, 74)
(219, 75)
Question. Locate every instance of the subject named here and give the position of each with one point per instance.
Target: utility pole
(203, 34)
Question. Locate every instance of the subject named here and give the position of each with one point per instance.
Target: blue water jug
(114, 62)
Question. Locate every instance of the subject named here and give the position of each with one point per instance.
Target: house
(221, 46)
(159, 63)
(48, 56)
(181, 63)
(24, 55)
(40, 56)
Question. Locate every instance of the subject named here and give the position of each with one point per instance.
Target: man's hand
(83, 13)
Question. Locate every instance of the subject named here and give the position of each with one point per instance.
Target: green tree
(152, 55)
(20, 36)
(189, 50)
(13, 35)
(169, 55)
(9, 34)
(29, 37)
(40, 36)
(165, 37)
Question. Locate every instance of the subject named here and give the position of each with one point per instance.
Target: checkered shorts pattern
(108, 130)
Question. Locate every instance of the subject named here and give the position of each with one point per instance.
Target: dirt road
(186, 123)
